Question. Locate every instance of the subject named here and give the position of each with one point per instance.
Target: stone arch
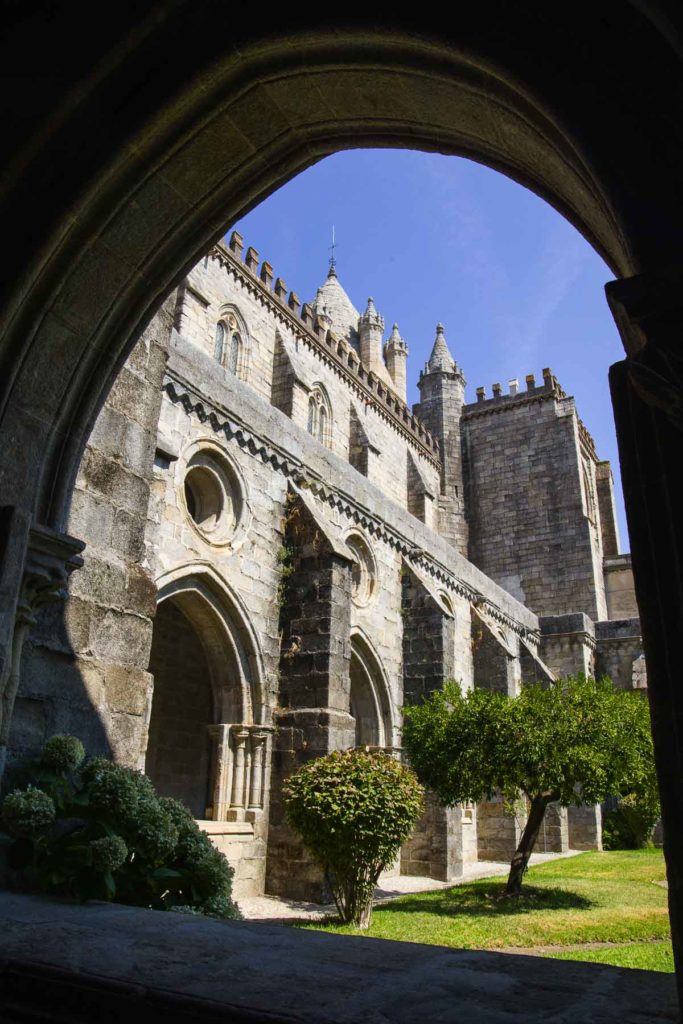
(236, 344)
(403, 91)
(319, 422)
(230, 642)
(371, 703)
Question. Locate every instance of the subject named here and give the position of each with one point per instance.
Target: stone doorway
(179, 746)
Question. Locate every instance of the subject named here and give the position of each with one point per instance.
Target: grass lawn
(592, 898)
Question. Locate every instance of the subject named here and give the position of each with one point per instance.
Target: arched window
(233, 360)
(230, 346)
(319, 416)
(219, 342)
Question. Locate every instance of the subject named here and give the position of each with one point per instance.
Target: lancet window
(230, 345)
(319, 416)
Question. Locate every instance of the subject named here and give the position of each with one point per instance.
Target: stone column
(647, 395)
(240, 736)
(585, 827)
(259, 738)
(49, 560)
(498, 830)
(554, 834)
(435, 847)
(315, 687)
(220, 737)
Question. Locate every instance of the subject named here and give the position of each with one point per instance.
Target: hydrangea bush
(99, 831)
(353, 810)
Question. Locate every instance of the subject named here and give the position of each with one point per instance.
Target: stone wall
(85, 665)
(619, 588)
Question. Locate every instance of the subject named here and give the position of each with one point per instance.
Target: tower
(442, 396)
(371, 329)
(396, 354)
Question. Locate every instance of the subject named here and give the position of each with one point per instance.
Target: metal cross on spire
(333, 262)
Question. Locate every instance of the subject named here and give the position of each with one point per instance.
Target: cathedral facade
(281, 553)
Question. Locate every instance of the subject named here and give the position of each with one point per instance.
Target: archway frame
(378, 684)
(231, 643)
(97, 295)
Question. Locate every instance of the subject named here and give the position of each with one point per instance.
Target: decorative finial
(332, 272)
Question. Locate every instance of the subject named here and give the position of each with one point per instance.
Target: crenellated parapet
(533, 392)
(313, 330)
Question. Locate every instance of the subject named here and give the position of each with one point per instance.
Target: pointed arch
(229, 640)
(371, 703)
(233, 341)
(320, 415)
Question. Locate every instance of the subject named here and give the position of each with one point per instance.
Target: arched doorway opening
(208, 738)
(369, 704)
(179, 747)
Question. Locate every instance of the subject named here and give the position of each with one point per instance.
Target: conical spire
(395, 341)
(332, 302)
(371, 316)
(441, 358)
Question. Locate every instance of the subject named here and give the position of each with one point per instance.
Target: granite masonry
(280, 553)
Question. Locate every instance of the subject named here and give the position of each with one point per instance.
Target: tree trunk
(365, 915)
(521, 855)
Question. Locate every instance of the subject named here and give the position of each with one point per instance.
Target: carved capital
(648, 310)
(51, 557)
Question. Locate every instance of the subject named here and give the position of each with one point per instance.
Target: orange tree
(577, 740)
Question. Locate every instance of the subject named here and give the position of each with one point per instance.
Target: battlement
(550, 388)
(315, 329)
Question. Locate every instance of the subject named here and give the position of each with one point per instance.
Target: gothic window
(319, 416)
(219, 342)
(231, 345)
(233, 359)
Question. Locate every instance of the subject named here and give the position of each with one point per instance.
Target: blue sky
(438, 238)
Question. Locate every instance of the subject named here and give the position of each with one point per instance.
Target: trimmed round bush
(62, 755)
(108, 853)
(353, 810)
(29, 813)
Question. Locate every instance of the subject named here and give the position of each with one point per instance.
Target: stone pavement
(67, 962)
(274, 908)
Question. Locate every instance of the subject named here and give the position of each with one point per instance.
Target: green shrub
(353, 810)
(631, 824)
(102, 833)
(62, 754)
(28, 814)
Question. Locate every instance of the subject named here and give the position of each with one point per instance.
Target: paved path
(272, 908)
(108, 963)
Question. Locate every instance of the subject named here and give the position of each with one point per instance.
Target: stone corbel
(50, 559)
(648, 311)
